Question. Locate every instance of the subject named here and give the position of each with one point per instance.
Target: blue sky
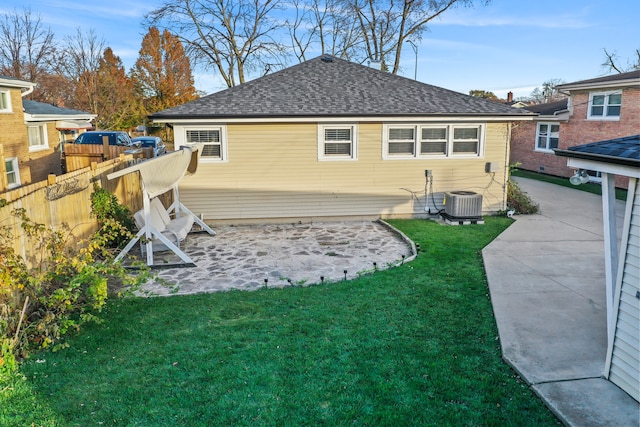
(509, 45)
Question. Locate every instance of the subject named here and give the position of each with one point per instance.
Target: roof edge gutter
(596, 157)
(599, 85)
(324, 118)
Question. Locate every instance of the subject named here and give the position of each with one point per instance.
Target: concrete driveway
(547, 282)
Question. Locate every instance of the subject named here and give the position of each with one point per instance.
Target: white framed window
(466, 140)
(428, 141)
(605, 105)
(13, 173)
(402, 141)
(213, 140)
(433, 140)
(337, 142)
(547, 136)
(5, 101)
(37, 135)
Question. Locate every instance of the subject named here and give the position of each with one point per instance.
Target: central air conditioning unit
(463, 204)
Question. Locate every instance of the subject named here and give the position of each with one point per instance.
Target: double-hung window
(434, 140)
(13, 174)
(402, 141)
(422, 141)
(37, 137)
(213, 140)
(5, 101)
(466, 140)
(605, 105)
(337, 142)
(547, 136)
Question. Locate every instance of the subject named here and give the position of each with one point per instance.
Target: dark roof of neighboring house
(606, 80)
(35, 107)
(548, 109)
(330, 87)
(623, 151)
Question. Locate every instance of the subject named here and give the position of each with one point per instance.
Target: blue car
(95, 138)
(151, 142)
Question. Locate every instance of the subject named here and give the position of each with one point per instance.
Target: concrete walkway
(546, 277)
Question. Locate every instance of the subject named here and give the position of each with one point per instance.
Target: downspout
(28, 91)
(507, 167)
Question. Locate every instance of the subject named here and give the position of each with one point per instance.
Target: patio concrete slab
(547, 283)
(243, 257)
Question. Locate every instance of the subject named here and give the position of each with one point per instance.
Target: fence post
(105, 148)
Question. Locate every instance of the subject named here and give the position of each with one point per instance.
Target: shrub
(519, 201)
(114, 219)
(62, 287)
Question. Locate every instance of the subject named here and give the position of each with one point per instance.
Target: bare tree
(387, 24)
(232, 36)
(80, 64)
(547, 92)
(326, 27)
(27, 46)
(612, 62)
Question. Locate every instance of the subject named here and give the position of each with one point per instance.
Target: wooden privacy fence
(78, 156)
(64, 202)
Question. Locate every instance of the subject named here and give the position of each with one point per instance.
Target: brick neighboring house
(31, 133)
(597, 109)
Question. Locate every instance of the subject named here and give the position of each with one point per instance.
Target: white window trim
(549, 124)
(45, 137)
(415, 140)
(181, 141)
(16, 169)
(8, 97)
(418, 135)
(354, 142)
(604, 117)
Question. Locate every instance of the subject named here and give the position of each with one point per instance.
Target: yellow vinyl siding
(274, 172)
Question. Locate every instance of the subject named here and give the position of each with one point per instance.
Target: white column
(610, 244)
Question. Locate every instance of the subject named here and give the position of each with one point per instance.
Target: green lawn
(589, 187)
(413, 345)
